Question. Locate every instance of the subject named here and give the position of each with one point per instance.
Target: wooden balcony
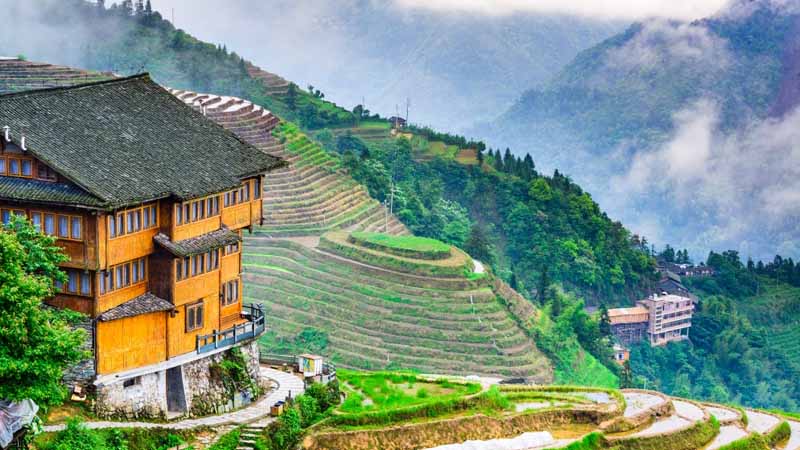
(254, 327)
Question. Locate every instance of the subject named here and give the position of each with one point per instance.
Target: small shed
(310, 365)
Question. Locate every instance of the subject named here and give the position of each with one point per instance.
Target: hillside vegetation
(743, 345)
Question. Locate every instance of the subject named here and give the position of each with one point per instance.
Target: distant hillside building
(148, 198)
(659, 318)
(398, 123)
(686, 270)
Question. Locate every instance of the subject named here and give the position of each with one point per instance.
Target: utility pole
(173, 18)
(408, 106)
(385, 218)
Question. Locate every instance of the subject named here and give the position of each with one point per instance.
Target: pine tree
(139, 7)
(543, 290)
(126, 7)
(513, 280)
(498, 162)
(508, 161)
(148, 8)
(556, 306)
(101, 5)
(479, 155)
(605, 321)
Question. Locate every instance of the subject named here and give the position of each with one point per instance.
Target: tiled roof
(128, 140)
(143, 304)
(199, 244)
(21, 189)
(17, 75)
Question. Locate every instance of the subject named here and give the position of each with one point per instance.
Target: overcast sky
(605, 9)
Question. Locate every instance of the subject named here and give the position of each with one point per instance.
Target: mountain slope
(673, 127)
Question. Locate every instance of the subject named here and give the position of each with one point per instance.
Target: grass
(383, 390)
(412, 246)
(458, 265)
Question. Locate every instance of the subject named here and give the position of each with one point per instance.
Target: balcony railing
(254, 326)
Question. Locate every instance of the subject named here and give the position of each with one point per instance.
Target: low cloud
(668, 42)
(607, 9)
(714, 189)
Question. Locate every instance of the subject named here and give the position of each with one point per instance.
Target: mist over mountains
(456, 68)
(686, 131)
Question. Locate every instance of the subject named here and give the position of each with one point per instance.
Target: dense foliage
(533, 221)
(731, 356)
(36, 342)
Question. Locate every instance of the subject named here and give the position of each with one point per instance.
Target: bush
(228, 441)
(287, 430)
(77, 437)
(309, 410)
(326, 395)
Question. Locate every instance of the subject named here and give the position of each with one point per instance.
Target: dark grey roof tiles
(143, 304)
(27, 190)
(199, 244)
(128, 140)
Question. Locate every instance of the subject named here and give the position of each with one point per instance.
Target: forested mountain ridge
(675, 126)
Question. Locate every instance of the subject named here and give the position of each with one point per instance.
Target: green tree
(291, 97)
(36, 343)
(605, 321)
(479, 247)
(543, 289)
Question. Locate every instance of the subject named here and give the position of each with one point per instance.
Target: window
(27, 167)
(231, 249)
(230, 293)
(13, 166)
(123, 275)
(49, 224)
(63, 226)
(131, 382)
(75, 228)
(6, 216)
(86, 284)
(257, 188)
(238, 195)
(45, 173)
(36, 219)
(196, 210)
(196, 265)
(133, 221)
(120, 224)
(2, 166)
(79, 282)
(194, 316)
(72, 284)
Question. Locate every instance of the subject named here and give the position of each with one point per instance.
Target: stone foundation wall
(205, 394)
(145, 399)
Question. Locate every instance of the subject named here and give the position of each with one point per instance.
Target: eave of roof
(198, 245)
(29, 190)
(143, 304)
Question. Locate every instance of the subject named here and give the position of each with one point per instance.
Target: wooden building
(149, 200)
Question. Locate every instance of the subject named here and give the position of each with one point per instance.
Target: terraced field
(369, 131)
(312, 194)
(18, 75)
(275, 84)
(379, 319)
(523, 417)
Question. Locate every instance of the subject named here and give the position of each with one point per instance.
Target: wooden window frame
(192, 322)
(49, 174)
(131, 221)
(121, 276)
(192, 211)
(78, 276)
(231, 292)
(57, 225)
